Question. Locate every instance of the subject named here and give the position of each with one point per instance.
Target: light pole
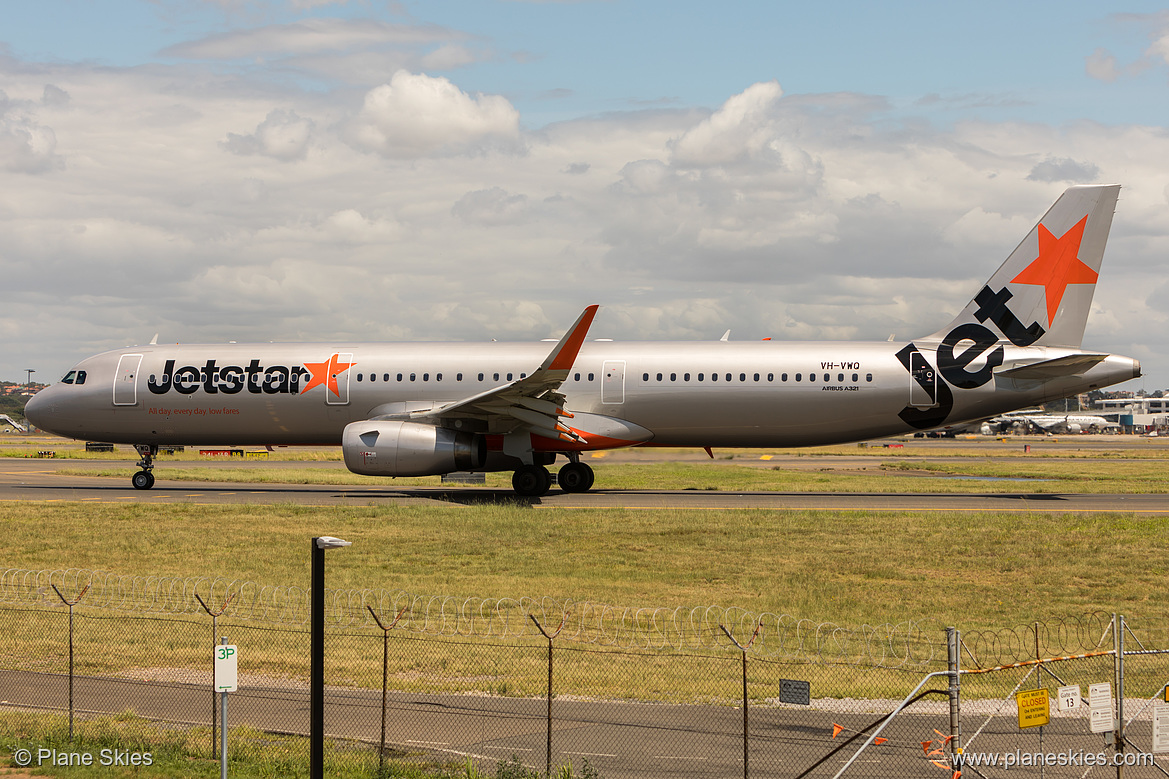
(316, 757)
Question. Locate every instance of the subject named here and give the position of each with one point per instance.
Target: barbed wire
(910, 644)
(1048, 638)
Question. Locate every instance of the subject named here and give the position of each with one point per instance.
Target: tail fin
(1042, 293)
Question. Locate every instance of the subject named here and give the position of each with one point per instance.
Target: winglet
(564, 355)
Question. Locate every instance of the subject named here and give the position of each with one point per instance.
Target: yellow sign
(1034, 708)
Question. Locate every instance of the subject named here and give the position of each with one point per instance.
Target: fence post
(1118, 645)
(215, 615)
(381, 753)
(746, 729)
(548, 747)
(953, 650)
(71, 604)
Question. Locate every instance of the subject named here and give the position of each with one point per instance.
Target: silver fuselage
(688, 394)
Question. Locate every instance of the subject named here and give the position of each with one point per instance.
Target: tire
(575, 477)
(531, 480)
(143, 480)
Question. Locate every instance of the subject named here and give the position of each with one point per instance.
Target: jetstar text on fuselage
(253, 377)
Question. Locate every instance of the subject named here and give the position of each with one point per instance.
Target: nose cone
(39, 409)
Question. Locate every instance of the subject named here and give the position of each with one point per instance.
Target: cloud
(283, 135)
(418, 114)
(25, 145)
(1065, 169)
(308, 36)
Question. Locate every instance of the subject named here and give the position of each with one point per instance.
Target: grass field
(969, 569)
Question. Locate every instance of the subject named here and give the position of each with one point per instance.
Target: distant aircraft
(1056, 423)
(431, 408)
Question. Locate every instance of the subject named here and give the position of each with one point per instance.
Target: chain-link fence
(432, 681)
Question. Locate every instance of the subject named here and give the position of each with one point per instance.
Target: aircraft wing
(532, 402)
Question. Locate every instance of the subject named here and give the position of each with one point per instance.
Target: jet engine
(388, 448)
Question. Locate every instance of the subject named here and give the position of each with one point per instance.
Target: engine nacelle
(375, 448)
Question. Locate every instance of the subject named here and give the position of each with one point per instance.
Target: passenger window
(783, 377)
(797, 377)
(413, 377)
(811, 376)
(868, 377)
(685, 377)
(438, 377)
(426, 377)
(840, 377)
(495, 377)
(458, 377)
(673, 377)
(659, 377)
(700, 377)
(827, 377)
(480, 377)
(509, 376)
(645, 377)
(591, 376)
(576, 377)
(399, 377)
(714, 377)
(385, 377)
(359, 377)
(756, 377)
(855, 377)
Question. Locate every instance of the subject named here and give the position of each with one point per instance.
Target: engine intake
(375, 448)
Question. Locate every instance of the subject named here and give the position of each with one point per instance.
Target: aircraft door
(126, 380)
(342, 362)
(923, 382)
(613, 381)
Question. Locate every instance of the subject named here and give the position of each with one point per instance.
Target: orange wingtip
(571, 344)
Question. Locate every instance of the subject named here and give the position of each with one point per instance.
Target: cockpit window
(80, 377)
(69, 377)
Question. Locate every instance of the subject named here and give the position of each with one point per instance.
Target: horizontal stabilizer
(1071, 365)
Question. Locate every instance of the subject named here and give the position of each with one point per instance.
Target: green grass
(184, 753)
(966, 568)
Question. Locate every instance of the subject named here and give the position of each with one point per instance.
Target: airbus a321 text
(413, 409)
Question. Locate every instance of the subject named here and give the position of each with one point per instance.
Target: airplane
(1056, 423)
(415, 409)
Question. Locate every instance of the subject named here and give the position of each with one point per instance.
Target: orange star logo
(1058, 265)
(325, 374)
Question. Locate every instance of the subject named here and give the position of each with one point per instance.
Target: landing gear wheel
(143, 480)
(575, 477)
(531, 480)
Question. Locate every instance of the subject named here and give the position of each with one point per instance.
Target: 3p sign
(226, 662)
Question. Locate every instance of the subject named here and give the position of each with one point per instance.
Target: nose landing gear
(144, 479)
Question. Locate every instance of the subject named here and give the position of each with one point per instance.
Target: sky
(286, 170)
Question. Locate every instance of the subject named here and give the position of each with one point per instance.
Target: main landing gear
(534, 481)
(144, 479)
